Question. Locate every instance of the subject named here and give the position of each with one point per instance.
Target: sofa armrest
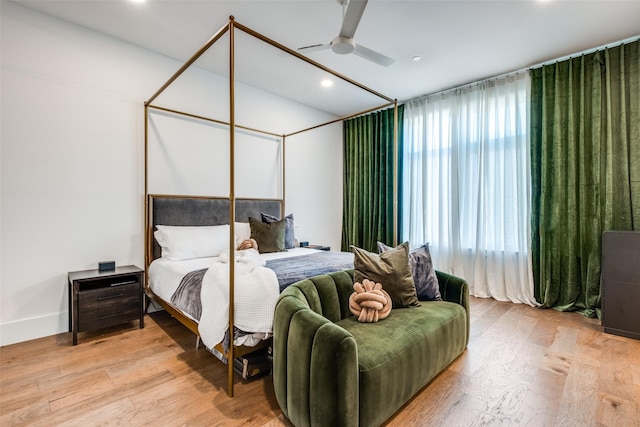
(315, 364)
(454, 289)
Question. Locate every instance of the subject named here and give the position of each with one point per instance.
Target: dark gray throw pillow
(424, 275)
(390, 269)
(289, 235)
(268, 236)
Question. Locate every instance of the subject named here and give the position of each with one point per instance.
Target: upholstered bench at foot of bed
(400, 355)
(331, 370)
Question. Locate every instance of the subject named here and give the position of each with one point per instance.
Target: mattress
(199, 288)
(165, 276)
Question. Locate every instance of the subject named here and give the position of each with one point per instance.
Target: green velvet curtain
(368, 179)
(585, 149)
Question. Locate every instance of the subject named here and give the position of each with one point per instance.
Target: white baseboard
(36, 327)
(44, 326)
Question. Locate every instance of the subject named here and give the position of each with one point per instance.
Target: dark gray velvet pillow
(391, 269)
(424, 275)
(289, 235)
(268, 236)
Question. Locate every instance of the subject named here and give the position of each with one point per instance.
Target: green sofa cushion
(402, 353)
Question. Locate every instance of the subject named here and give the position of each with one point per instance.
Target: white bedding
(255, 293)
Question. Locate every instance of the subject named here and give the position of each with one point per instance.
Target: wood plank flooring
(523, 367)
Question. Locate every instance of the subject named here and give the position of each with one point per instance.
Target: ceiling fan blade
(354, 12)
(373, 56)
(315, 47)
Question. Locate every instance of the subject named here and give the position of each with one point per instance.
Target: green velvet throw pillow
(268, 236)
(391, 269)
(424, 275)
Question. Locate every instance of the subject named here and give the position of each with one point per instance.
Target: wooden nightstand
(98, 299)
(319, 247)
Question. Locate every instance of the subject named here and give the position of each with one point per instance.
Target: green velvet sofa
(331, 370)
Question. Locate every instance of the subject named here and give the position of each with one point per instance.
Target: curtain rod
(542, 64)
(586, 52)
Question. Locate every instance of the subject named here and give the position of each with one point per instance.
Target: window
(466, 181)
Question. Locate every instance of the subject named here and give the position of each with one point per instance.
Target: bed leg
(197, 342)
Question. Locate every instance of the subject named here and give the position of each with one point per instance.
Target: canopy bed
(227, 215)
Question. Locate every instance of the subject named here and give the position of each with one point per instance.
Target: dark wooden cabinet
(98, 299)
(621, 283)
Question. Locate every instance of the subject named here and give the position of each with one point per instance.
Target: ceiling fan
(343, 44)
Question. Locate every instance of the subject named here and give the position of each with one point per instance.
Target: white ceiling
(459, 41)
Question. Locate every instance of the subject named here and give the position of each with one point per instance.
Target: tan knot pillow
(369, 302)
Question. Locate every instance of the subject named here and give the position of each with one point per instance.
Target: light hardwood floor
(523, 367)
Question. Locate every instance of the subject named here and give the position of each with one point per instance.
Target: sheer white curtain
(466, 184)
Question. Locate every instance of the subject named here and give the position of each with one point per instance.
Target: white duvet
(256, 292)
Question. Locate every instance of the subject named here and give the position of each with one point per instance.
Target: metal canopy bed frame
(150, 252)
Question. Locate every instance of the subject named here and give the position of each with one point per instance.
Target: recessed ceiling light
(416, 58)
(327, 83)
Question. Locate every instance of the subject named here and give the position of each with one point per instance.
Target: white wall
(72, 175)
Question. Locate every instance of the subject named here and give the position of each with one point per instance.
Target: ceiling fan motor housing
(343, 45)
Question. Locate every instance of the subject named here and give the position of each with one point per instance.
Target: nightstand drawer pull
(120, 295)
(106, 316)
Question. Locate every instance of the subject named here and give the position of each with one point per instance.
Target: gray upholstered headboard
(194, 211)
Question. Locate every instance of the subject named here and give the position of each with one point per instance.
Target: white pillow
(182, 242)
(242, 231)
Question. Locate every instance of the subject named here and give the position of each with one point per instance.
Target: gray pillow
(268, 236)
(424, 275)
(391, 269)
(289, 235)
